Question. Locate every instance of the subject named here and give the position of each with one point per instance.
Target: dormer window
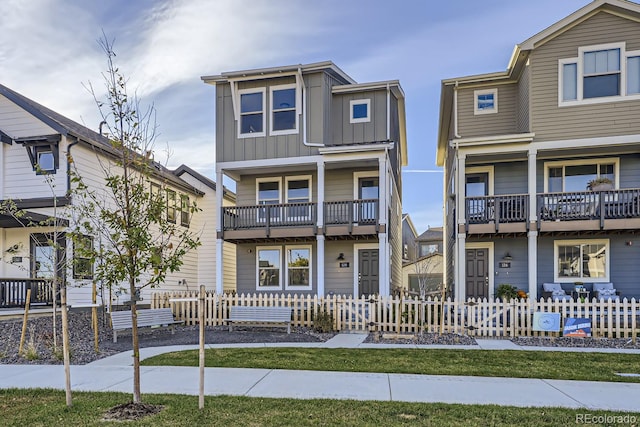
(43, 153)
(284, 117)
(485, 101)
(360, 111)
(252, 119)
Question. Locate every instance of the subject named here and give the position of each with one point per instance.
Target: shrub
(323, 321)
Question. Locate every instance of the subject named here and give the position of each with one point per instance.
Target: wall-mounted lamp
(629, 243)
(341, 257)
(507, 257)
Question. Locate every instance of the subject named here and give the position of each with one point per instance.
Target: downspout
(300, 84)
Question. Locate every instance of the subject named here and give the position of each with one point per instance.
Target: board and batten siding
(551, 122)
(231, 148)
(348, 133)
(502, 122)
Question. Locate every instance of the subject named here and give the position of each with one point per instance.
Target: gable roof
(72, 129)
(432, 233)
(182, 169)
(519, 58)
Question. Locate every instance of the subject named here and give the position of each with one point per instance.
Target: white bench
(258, 316)
(121, 320)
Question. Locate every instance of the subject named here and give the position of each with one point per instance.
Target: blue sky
(49, 48)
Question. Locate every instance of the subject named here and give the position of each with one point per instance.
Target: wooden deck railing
(362, 212)
(501, 209)
(586, 205)
(482, 317)
(13, 292)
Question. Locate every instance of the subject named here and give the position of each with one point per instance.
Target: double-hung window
(284, 117)
(581, 260)
(298, 267)
(268, 193)
(298, 199)
(599, 73)
(268, 268)
(252, 117)
(185, 210)
(171, 206)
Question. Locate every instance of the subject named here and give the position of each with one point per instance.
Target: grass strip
(488, 363)
(38, 407)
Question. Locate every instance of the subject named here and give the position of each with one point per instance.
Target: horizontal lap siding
(17, 123)
(502, 122)
(550, 122)
(518, 273)
(510, 178)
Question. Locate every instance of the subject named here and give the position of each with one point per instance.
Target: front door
(477, 280)
(368, 272)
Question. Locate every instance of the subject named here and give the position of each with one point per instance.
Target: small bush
(323, 321)
(31, 352)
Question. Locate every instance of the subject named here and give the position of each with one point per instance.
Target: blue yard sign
(577, 327)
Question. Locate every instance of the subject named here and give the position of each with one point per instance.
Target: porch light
(341, 257)
(507, 257)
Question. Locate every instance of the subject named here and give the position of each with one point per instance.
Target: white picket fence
(481, 318)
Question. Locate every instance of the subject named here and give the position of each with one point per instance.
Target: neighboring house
(316, 158)
(33, 134)
(409, 235)
(429, 242)
(520, 148)
(427, 268)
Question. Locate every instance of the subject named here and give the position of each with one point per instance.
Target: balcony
(492, 214)
(571, 211)
(295, 220)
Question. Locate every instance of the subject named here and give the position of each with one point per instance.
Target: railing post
(602, 213)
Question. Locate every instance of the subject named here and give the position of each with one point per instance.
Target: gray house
(524, 151)
(316, 158)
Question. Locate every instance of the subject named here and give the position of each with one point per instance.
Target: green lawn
(490, 363)
(47, 408)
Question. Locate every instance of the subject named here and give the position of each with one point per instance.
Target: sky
(49, 52)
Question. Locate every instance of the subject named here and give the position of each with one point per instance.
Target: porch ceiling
(29, 219)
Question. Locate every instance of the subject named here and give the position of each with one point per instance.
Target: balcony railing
(13, 292)
(569, 206)
(499, 209)
(359, 212)
(588, 205)
(281, 215)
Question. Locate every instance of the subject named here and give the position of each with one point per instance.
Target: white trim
(579, 61)
(356, 264)
(268, 288)
(593, 161)
(557, 243)
(364, 174)
(241, 92)
(285, 190)
(490, 268)
(493, 110)
(480, 169)
(492, 140)
(269, 179)
(272, 110)
(286, 268)
(354, 102)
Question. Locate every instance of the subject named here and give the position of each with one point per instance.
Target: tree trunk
(134, 342)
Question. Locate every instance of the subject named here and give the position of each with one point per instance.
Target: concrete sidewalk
(115, 374)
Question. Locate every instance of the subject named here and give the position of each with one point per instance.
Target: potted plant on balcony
(600, 184)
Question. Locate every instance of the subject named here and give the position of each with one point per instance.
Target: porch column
(459, 270)
(320, 263)
(219, 227)
(384, 261)
(532, 235)
(320, 226)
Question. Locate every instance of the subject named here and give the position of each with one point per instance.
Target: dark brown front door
(477, 280)
(368, 272)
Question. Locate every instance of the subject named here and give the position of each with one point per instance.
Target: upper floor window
(43, 154)
(252, 118)
(599, 73)
(284, 117)
(360, 111)
(485, 101)
(171, 206)
(185, 210)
